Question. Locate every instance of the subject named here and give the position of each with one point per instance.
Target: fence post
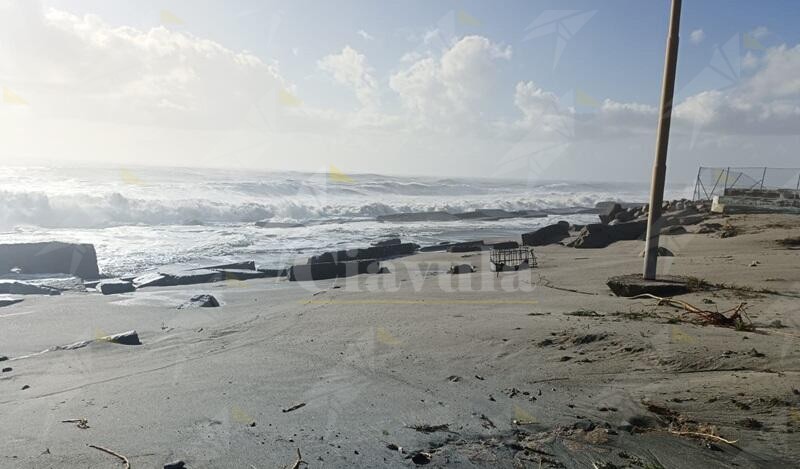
(696, 193)
(725, 184)
(763, 176)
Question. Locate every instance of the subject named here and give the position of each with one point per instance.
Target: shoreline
(469, 369)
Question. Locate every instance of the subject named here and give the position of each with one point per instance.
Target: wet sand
(496, 371)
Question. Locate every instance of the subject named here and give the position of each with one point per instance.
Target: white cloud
(412, 56)
(70, 66)
(759, 32)
(697, 36)
(365, 35)
(449, 87)
(351, 68)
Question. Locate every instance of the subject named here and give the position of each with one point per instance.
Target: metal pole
(763, 176)
(696, 193)
(662, 143)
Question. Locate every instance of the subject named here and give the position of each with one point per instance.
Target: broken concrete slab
(13, 287)
(551, 234)
(190, 277)
(370, 253)
(634, 285)
(329, 270)
(247, 265)
(50, 258)
(8, 301)
(115, 286)
(240, 274)
(598, 235)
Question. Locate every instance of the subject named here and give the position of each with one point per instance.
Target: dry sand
(503, 362)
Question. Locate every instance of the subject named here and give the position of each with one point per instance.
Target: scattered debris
(24, 387)
(678, 425)
(754, 263)
(589, 338)
(585, 313)
(461, 269)
(729, 231)
(479, 377)
(83, 424)
(294, 407)
(7, 369)
(704, 436)
(454, 378)
(737, 320)
(425, 428)
(544, 282)
(127, 464)
(486, 422)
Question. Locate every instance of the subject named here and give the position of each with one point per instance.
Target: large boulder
(328, 270)
(115, 286)
(608, 210)
(372, 252)
(200, 301)
(124, 338)
(550, 234)
(50, 258)
(598, 235)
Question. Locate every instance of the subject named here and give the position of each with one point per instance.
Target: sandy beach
(419, 366)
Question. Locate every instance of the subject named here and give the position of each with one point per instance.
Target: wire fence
(749, 181)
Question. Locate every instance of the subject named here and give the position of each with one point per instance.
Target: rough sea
(140, 218)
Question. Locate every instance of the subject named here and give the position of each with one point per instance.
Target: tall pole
(662, 142)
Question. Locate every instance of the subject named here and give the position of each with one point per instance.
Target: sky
(523, 89)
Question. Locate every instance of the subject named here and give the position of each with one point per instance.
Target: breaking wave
(115, 209)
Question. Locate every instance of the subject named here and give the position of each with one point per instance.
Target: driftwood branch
(113, 453)
(704, 435)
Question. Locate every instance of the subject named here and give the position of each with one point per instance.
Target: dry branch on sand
(735, 317)
(127, 464)
(679, 425)
(83, 424)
